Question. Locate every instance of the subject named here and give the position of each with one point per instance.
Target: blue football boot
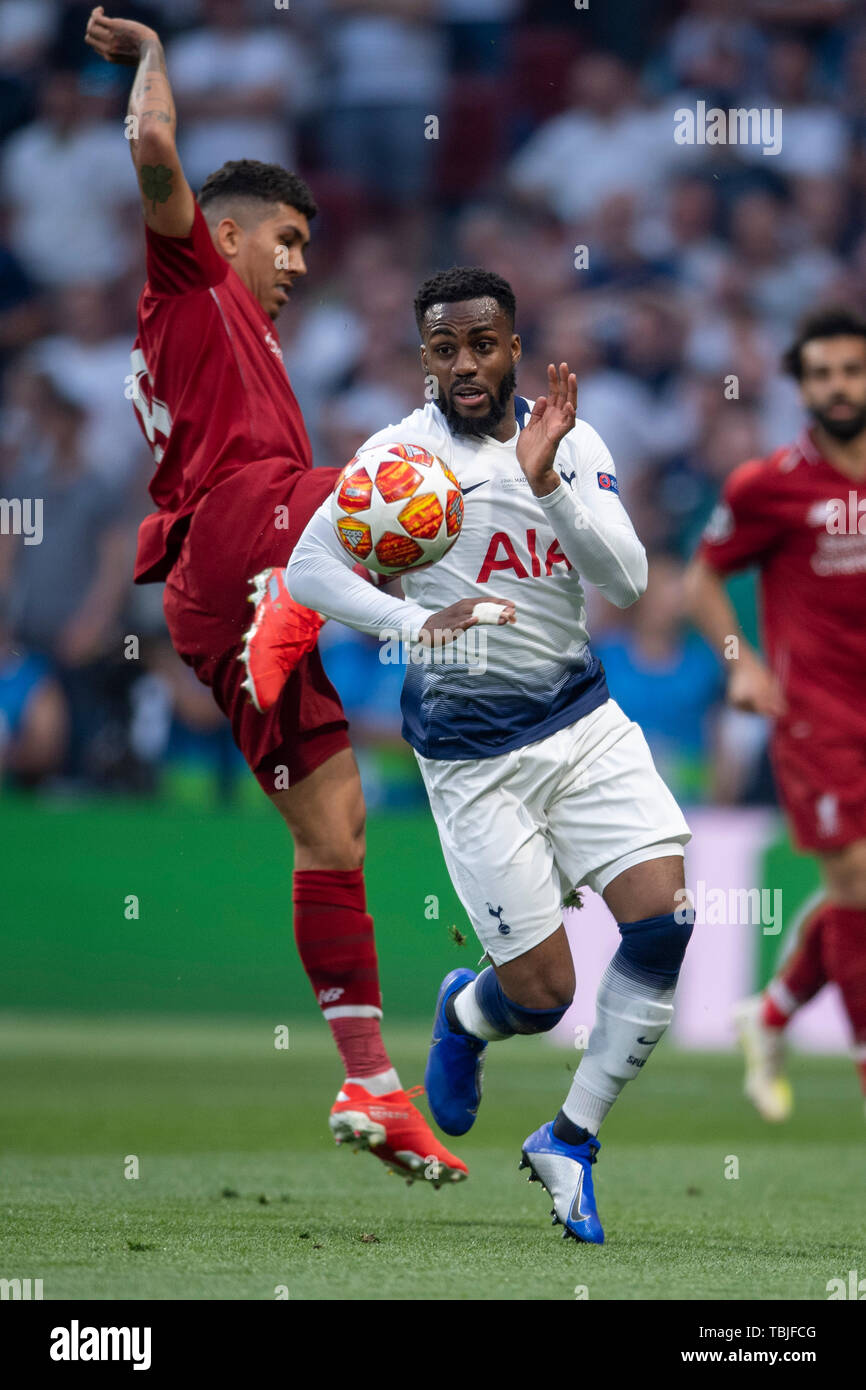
(454, 1065)
(565, 1171)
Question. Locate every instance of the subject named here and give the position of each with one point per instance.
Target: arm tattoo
(156, 183)
(160, 115)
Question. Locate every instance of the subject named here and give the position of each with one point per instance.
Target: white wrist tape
(488, 612)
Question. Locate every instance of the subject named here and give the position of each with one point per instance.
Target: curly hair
(833, 322)
(464, 282)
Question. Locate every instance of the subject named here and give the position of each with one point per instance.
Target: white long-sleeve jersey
(496, 688)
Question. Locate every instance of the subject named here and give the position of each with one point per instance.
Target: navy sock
(567, 1131)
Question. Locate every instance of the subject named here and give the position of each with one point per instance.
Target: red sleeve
(181, 264)
(745, 525)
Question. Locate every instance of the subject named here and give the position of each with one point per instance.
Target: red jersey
(210, 388)
(795, 517)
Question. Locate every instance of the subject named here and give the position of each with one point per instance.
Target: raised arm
(166, 197)
(591, 525)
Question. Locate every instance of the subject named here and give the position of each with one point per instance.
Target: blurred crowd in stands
(553, 131)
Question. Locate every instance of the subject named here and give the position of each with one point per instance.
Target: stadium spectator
(241, 85)
(72, 156)
(814, 134)
(684, 229)
(389, 71)
(610, 142)
(778, 280)
(25, 31)
(66, 590)
(479, 31)
(21, 309)
(33, 715)
(89, 360)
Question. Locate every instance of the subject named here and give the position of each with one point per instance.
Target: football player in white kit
(538, 782)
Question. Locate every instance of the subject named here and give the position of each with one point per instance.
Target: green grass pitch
(240, 1190)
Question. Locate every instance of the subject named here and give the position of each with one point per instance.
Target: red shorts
(822, 786)
(251, 521)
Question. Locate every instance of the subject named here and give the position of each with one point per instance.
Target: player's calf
(633, 1012)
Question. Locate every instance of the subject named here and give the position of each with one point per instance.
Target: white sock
(379, 1085)
(469, 1014)
(632, 1014)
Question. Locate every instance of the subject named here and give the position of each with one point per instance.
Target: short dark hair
(464, 282)
(833, 322)
(248, 180)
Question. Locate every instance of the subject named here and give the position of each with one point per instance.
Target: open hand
(552, 417)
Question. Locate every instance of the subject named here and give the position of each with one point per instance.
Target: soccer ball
(396, 506)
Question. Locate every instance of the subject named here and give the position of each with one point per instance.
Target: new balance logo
(497, 912)
(329, 996)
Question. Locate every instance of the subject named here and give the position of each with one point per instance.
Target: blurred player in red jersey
(800, 517)
(234, 488)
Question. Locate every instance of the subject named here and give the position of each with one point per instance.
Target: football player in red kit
(234, 487)
(800, 517)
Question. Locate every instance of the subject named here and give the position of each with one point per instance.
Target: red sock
(334, 935)
(771, 1015)
(845, 962)
(803, 974)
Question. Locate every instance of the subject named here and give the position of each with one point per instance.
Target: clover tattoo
(156, 183)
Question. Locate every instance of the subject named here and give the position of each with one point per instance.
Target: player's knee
(554, 991)
(316, 851)
(657, 944)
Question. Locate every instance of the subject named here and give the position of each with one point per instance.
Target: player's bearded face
(834, 385)
(471, 351)
(474, 427)
(841, 417)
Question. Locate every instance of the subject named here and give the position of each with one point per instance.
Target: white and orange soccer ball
(396, 506)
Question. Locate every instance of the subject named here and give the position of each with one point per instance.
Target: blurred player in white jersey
(538, 782)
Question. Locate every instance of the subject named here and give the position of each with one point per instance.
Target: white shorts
(521, 830)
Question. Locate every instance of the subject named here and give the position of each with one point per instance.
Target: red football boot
(395, 1131)
(282, 633)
